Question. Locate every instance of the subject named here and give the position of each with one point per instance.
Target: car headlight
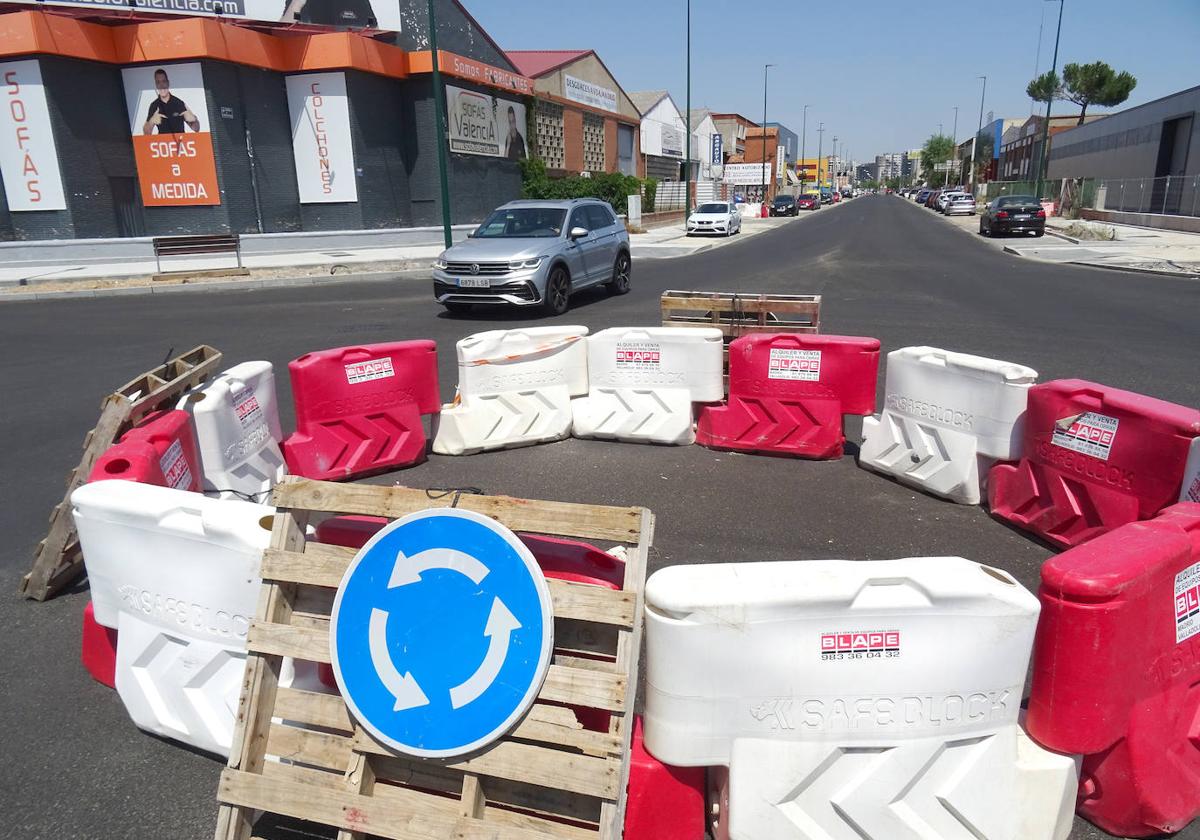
(440, 263)
(517, 265)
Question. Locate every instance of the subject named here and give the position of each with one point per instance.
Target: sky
(881, 76)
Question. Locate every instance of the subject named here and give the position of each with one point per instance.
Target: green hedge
(612, 187)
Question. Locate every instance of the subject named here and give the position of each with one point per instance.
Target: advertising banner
(341, 14)
(172, 144)
(587, 93)
(321, 138)
(28, 158)
(672, 142)
(718, 148)
(747, 174)
(480, 124)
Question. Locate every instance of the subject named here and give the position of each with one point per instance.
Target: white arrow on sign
(408, 569)
(500, 625)
(403, 687)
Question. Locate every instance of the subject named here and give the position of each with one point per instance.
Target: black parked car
(783, 205)
(1013, 214)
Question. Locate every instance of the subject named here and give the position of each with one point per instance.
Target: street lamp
(1046, 125)
(954, 146)
(766, 67)
(820, 141)
(687, 142)
(439, 107)
(975, 141)
(832, 163)
(803, 151)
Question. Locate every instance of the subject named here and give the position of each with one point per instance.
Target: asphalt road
(73, 765)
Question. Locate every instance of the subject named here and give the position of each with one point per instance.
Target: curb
(1184, 275)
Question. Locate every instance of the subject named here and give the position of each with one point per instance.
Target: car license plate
(473, 282)
(1022, 218)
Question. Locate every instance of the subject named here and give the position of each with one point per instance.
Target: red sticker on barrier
(786, 363)
(860, 644)
(1187, 603)
(175, 467)
(246, 406)
(369, 370)
(1090, 433)
(638, 354)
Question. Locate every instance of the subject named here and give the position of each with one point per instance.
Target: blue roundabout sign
(441, 633)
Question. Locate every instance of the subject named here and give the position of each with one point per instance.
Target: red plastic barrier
(1094, 459)
(358, 409)
(788, 393)
(160, 450)
(664, 803)
(98, 653)
(1116, 671)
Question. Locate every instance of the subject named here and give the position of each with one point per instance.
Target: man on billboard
(514, 148)
(168, 113)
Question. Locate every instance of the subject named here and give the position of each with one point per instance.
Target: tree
(1045, 88)
(1095, 84)
(939, 148)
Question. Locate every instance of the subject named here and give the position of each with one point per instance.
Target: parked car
(922, 194)
(536, 253)
(944, 199)
(931, 199)
(719, 217)
(783, 205)
(809, 201)
(960, 204)
(1013, 214)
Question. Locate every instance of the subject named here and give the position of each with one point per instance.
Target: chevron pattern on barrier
(935, 459)
(370, 443)
(811, 428)
(926, 789)
(497, 421)
(651, 415)
(1064, 511)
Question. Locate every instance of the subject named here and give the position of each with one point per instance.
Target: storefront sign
(485, 125)
(672, 142)
(587, 93)
(718, 148)
(28, 158)
(477, 71)
(343, 14)
(321, 138)
(747, 173)
(172, 143)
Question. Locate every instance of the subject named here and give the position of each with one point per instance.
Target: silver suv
(536, 253)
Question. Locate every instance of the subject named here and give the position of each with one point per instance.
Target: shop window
(549, 124)
(593, 143)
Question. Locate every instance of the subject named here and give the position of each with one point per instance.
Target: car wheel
(457, 308)
(619, 284)
(982, 230)
(558, 292)
(1038, 232)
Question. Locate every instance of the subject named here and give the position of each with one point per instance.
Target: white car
(944, 199)
(716, 217)
(962, 203)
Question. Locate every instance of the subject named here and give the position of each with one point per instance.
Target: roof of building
(697, 115)
(645, 100)
(732, 116)
(757, 131)
(534, 63)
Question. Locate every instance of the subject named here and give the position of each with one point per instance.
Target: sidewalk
(1135, 249)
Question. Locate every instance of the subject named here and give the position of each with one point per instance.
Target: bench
(212, 243)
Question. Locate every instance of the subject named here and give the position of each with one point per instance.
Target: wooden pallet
(57, 559)
(547, 779)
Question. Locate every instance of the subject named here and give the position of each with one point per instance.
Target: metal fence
(1173, 195)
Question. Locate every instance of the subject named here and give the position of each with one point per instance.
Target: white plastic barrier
(1190, 490)
(177, 574)
(947, 418)
(854, 701)
(643, 382)
(236, 416)
(514, 388)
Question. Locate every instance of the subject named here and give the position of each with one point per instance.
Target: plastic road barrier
(1190, 489)
(514, 388)
(236, 416)
(177, 575)
(854, 701)
(947, 418)
(98, 652)
(358, 409)
(1094, 458)
(787, 394)
(665, 803)
(643, 382)
(160, 450)
(1116, 670)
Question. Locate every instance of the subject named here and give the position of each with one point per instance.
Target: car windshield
(522, 223)
(784, 199)
(808, 197)
(713, 208)
(1014, 200)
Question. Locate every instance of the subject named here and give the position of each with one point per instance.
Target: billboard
(588, 93)
(172, 142)
(28, 157)
(746, 174)
(672, 141)
(480, 124)
(718, 143)
(342, 14)
(321, 138)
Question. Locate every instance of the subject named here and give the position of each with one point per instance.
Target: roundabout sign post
(441, 633)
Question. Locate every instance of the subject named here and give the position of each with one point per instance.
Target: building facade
(733, 128)
(708, 147)
(663, 134)
(1022, 150)
(584, 121)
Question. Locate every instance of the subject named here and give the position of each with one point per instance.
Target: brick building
(584, 121)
